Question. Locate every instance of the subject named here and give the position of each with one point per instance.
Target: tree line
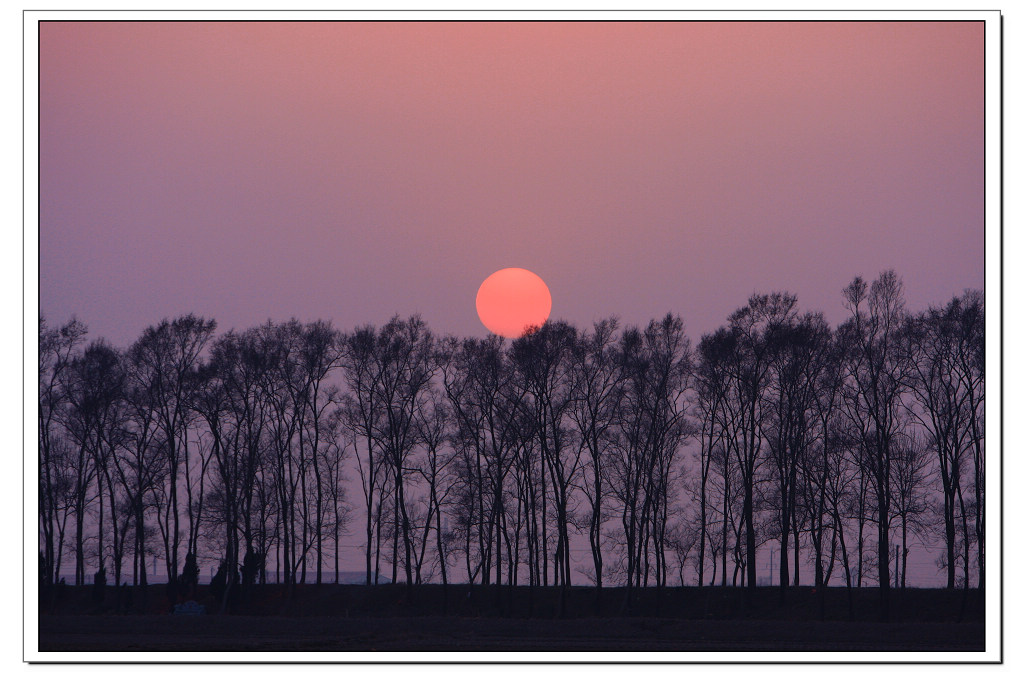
(484, 459)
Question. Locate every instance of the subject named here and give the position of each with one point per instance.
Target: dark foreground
(388, 618)
(462, 634)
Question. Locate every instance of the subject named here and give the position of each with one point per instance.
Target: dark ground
(463, 618)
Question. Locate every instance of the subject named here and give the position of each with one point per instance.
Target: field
(474, 619)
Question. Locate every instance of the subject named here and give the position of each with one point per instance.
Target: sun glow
(511, 300)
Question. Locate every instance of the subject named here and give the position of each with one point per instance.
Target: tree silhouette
(487, 462)
(876, 376)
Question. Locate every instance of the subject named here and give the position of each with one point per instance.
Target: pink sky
(351, 171)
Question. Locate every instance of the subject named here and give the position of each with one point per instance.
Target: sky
(354, 171)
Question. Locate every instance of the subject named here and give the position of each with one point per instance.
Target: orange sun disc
(511, 300)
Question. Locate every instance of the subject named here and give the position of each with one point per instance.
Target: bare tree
(389, 372)
(319, 355)
(500, 457)
(406, 357)
(910, 468)
(656, 367)
(596, 394)
(752, 335)
(800, 345)
(362, 415)
(947, 392)
(434, 426)
(876, 375)
(143, 466)
(543, 357)
(95, 387)
(486, 399)
(57, 347)
(236, 409)
(718, 402)
(822, 465)
(165, 359)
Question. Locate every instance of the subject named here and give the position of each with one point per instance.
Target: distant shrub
(190, 574)
(45, 573)
(99, 584)
(251, 566)
(219, 582)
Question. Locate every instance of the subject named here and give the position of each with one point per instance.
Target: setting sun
(511, 300)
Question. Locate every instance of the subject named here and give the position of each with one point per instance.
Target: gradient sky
(352, 171)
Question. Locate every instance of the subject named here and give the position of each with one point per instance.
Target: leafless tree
(543, 358)
(406, 357)
(165, 359)
(797, 360)
(910, 469)
(876, 376)
(486, 402)
(656, 367)
(236, 409)
(57, 347)
(946, 393)
(319, 356)
(596, 395)
(363, 412)
(95, 382)
(434, 424)
(497, 457)
(748, 344)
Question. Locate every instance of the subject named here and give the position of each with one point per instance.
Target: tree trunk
(883, 554)
(748, 515)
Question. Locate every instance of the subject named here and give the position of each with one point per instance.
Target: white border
(993, 305)
(993, 340)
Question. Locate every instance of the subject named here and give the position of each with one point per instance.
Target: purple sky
(351, 171)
